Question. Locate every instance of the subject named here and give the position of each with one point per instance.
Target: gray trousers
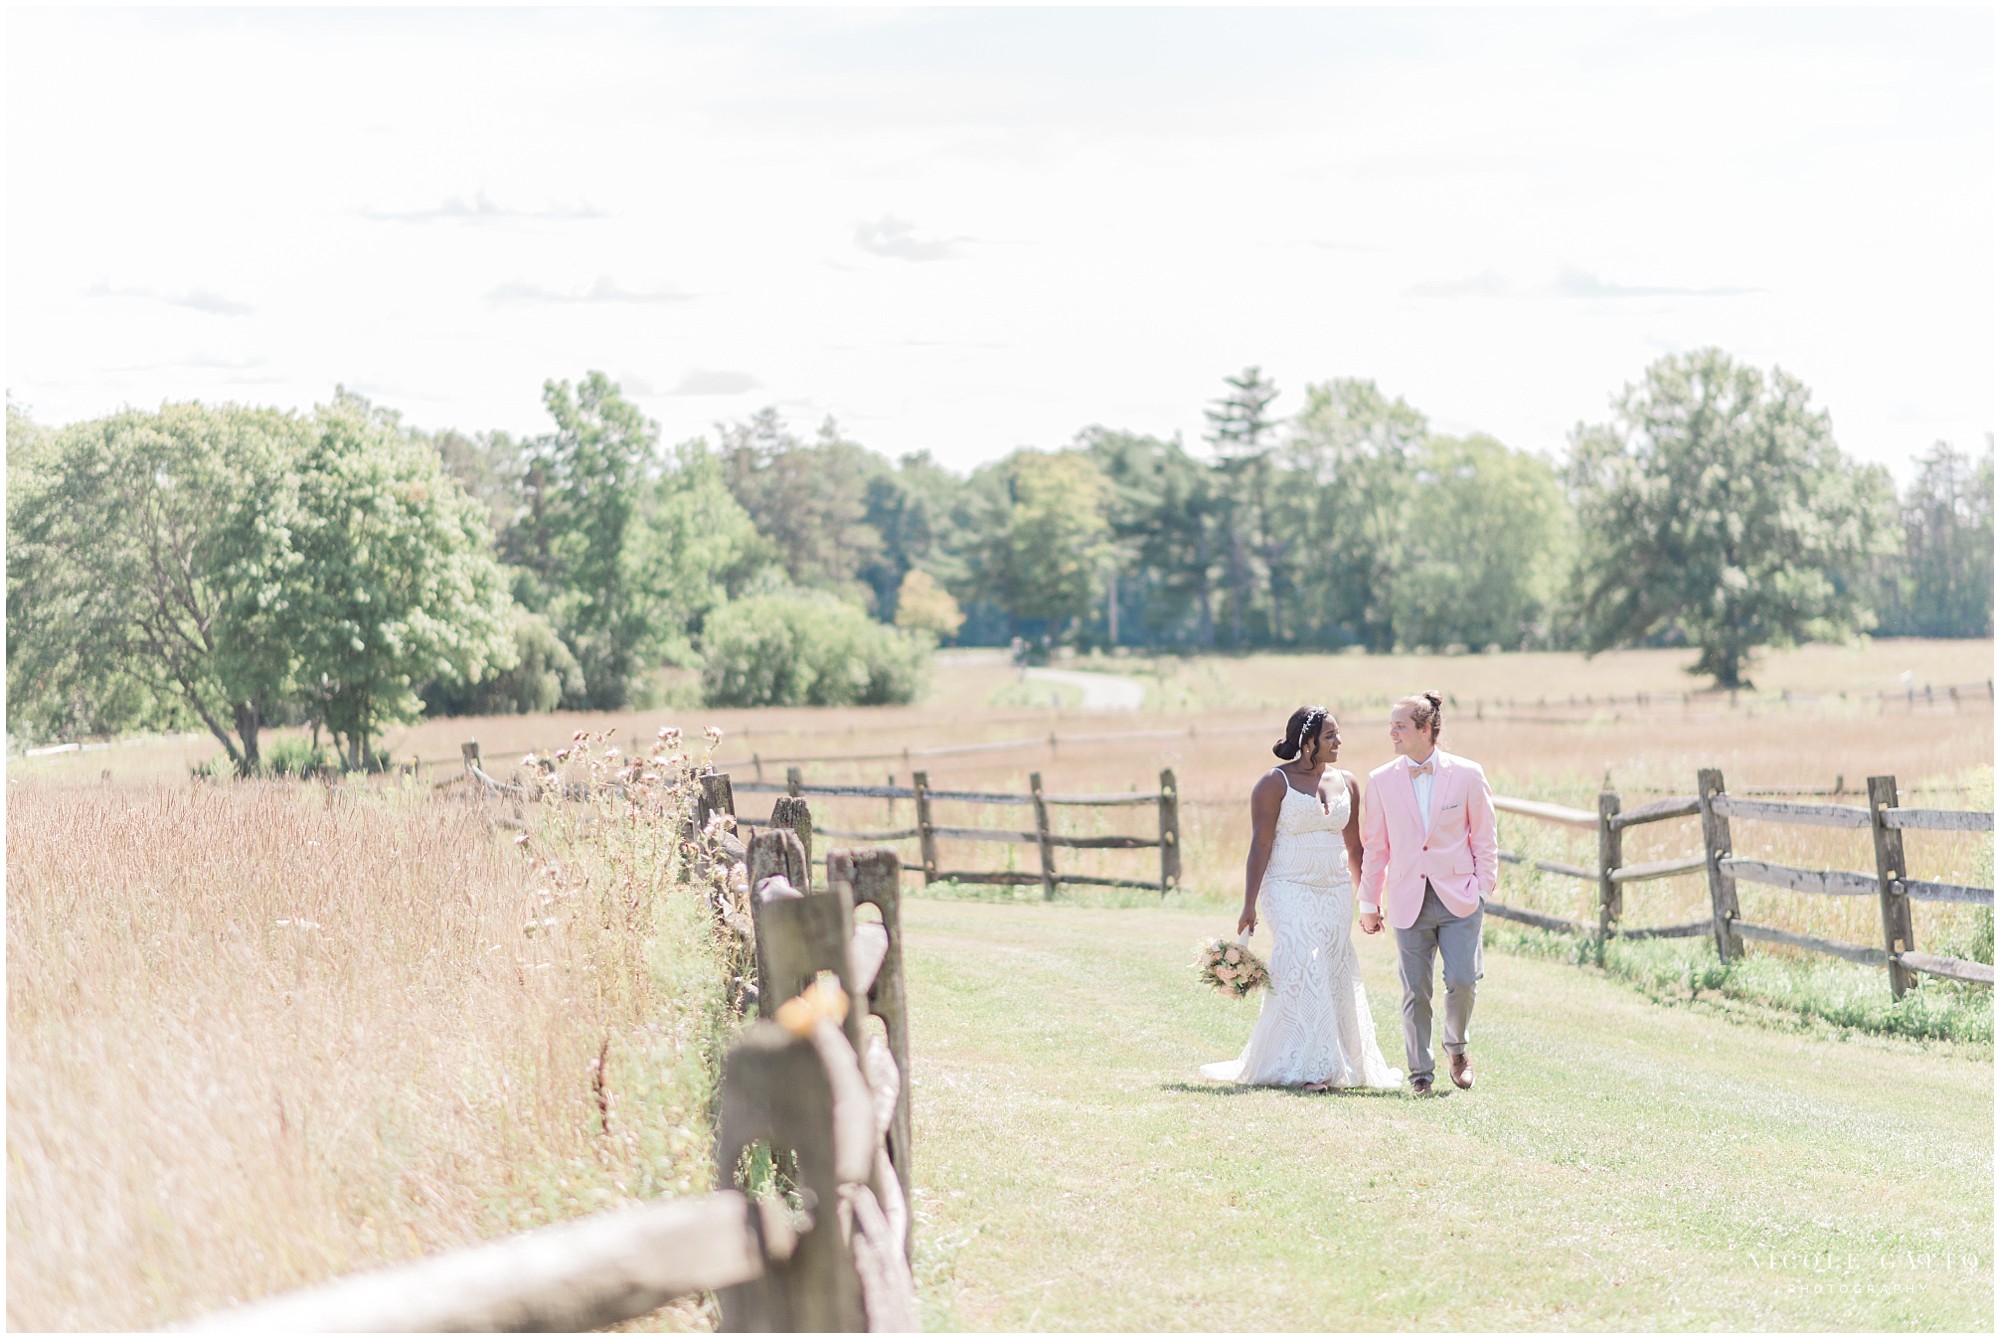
(1456, 939)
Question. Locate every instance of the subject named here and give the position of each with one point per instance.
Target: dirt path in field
(1101, 692)
(1622, 1164)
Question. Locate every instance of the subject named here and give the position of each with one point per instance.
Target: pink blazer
(1458, 855)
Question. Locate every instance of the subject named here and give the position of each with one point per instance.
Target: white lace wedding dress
(1314, 1025)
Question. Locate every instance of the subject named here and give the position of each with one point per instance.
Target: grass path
(1622, 1164)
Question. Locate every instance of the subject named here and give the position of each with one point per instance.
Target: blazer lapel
(1408, 790)
(1446, 786)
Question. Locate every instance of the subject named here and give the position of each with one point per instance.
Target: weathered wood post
(716, 797)
(1170, 832)
(1610, 855)
(1042, 837)
(1898, 935)
(1716, 848)
(469, 752)
(799, 936)
(920, 782)
(778, 852)
(791, 811)
(778, 1091)
(874, 876)
(794, 778)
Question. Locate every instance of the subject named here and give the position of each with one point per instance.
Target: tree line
(341, 569)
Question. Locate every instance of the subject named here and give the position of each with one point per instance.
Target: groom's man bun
(1426, 711)
(1304, 724)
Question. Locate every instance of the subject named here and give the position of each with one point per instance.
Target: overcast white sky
(970, 230)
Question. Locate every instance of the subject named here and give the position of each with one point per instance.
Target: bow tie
(1416, 772)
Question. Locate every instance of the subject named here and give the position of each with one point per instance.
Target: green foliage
(1350, 463)
(914, 509)
(1487, 546)
(542, 675)
(799, 648)
(295, 757)
(149, 565)
(810, 503)
(1164, 510)
(391, 578)
(923, 606)
(1715, 509)
(1940, 584)
(1046, 541)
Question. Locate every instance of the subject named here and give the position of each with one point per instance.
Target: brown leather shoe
(1461, 1069)
(1420, 1087)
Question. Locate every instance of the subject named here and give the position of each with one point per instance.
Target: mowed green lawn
(1621, 1164)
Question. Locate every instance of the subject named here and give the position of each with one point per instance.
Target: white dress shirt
(1425, 787)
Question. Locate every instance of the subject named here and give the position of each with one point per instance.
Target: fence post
(469, 752)
(1170, 832)
(717, 797)
(794, 778)
(777, 852)
(791, 811)
(920, 782)
(1610, 852)
(1898, 936)
(875, 876)
(776, 1090)
(757, 767)
(1042, 837)
(1721, 883)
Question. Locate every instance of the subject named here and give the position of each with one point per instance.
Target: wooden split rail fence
(1715, 807)
(809, 1093)
(1483, 708)
(928, 832)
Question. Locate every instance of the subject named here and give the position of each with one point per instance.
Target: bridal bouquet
(1229, 966)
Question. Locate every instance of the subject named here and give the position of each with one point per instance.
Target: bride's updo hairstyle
(1304, 725)
(1426, 712)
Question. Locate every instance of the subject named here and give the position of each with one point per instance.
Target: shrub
(544, 671)
(796, 648)
(294, 757)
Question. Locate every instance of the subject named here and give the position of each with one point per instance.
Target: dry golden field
(263, 1033)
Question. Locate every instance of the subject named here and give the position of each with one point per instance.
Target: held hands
(1371, 922)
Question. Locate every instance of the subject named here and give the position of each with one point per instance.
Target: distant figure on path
(1430, 859)
(1313, 1030)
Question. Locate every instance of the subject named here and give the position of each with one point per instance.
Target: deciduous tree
(149, 561)
(1715, 509)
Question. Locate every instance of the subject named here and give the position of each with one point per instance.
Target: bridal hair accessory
(1229, 966)
(1302, 725)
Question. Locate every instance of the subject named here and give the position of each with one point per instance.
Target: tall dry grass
(264, 1034)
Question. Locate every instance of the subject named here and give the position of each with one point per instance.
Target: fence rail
(1715, 807)
(928, 832)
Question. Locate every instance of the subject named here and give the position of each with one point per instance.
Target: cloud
(1568, 283)
(949, 344)
(897, 239)
(203, 300)
(604, 290)
(702, 382)
(1485, 284)
(199, 361)
(1322, 244)
(1573, 283)
(481, 210)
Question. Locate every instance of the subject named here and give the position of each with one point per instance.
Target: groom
(1428, 857)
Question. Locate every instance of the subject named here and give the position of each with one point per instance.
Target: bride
(1313, 1030)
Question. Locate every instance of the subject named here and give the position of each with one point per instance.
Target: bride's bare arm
(1266, 798)
(1352, 832)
